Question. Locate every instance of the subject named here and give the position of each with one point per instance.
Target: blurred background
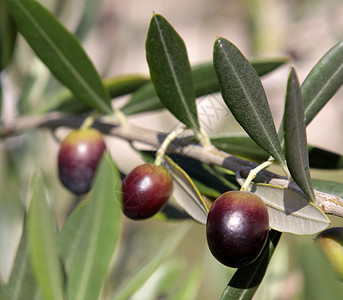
(113, 34)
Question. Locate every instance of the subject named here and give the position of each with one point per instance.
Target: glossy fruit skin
(146, 189)
(78, 158)
(330, 241)
(237, 228)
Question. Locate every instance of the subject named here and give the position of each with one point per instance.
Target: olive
(237, 228)
(78, 158)
(146, 189)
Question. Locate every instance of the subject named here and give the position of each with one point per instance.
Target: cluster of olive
(237, 224)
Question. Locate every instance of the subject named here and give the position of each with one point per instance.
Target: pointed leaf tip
(295, 136)
(244, 95)
(170, 71)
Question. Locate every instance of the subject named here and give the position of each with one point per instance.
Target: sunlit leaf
(244, 95)
(186, 194)
(323, 81)
(42, 244)
(142, 275)
(289, 212)
(100, 231)
(295, 137)
(245, 282)
(22, 283)
(170, 71)
(60, 51)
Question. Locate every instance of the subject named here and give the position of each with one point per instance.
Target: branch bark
(329, 204)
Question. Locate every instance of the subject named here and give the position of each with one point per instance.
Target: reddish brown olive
(237, 228)
(78, 158)
(146, 189)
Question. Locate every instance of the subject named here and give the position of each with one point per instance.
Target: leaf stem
(121, 117)
(89, 121)
(254, 172)
(203, 138)
(169, 138)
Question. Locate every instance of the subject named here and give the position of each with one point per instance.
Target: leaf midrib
(252, 106)
(301, 155)
(321, 91)
(64, 60)
(177, 84)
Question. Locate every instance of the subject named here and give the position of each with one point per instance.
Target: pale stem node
(89, 121)
(169, 138)
(254, 172)
(203, 138)
(120, 116)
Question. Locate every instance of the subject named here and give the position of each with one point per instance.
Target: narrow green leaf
(239, 144)
(289, 212)
(60, 51)
(22, 283)
(204, 80)
(323, 81)
(42, 244)
(295, 137)
(186, 194)
(170, 71)
(244, 95)
(245, 282)
(4, 294)
(71, 235)
(8, 34)
(265, 65)
(116, 87)
(142, 275)
(100, 232)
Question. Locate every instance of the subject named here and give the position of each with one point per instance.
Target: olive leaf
(95, 239)
(60, 51)
(44, 259)
(244, 95)
(170, 71)
(289, 212)
(323, 81)
(204, 80)
(185, 192)
(296, 148)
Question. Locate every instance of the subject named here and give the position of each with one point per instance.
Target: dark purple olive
(237, 228)
(146, 189)
(78, 158)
